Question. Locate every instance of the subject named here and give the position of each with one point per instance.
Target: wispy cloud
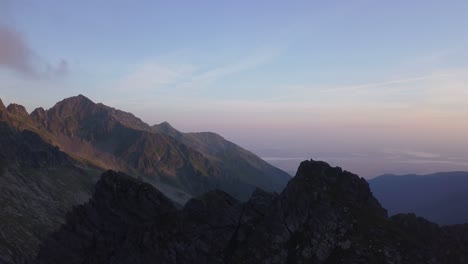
(16, 55)
(209, 76)
(390, 82)
(152, 75)
(446, 89)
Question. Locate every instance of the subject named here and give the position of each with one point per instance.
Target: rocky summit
(324, 215)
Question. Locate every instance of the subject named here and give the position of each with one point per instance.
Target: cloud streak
(17, 56)
(391, 82)
(153, 75)
(210, 76)
(150, 76)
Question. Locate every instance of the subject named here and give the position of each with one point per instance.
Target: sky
(376, 86)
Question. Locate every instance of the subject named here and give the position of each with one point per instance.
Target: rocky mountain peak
(75, 103)
(335, 184)
(18, 110)
(121, 192)
(165, 127)
(39, 116)
(165, 124)
(38, 112)
(80, 98)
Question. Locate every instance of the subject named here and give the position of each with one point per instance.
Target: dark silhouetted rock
(325, 215)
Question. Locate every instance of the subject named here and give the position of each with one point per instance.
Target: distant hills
(51, 159)
(440, 197)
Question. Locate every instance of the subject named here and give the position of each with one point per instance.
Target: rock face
(325, 215)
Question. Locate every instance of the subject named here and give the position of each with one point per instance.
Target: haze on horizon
(372, 86)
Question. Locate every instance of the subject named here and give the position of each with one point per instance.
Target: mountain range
(51, 159)
(189, 198)
(324, 215)
(439, 197)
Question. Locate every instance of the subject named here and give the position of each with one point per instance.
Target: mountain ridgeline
(51, 159)
(108, 138)
(324, 215)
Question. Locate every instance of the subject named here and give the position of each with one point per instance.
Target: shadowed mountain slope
(325, 215)
(233, 159)
(38, 185)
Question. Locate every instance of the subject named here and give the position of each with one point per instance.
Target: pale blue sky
(307, 76)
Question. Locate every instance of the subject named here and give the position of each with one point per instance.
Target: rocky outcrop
(325, 215)
(17, 110)
(39, 117)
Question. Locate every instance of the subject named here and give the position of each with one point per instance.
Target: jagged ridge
(325, 215)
